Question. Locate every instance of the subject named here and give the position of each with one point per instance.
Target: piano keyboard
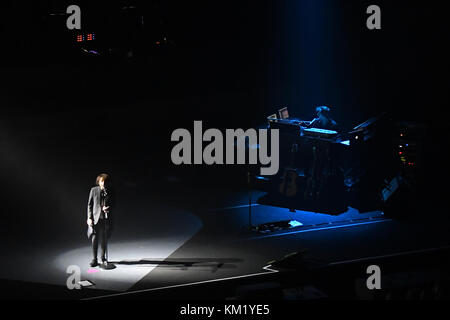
(321, 133)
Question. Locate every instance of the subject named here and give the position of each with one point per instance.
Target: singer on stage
(99, 218)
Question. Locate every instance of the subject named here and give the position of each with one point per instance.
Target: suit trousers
(99, 235)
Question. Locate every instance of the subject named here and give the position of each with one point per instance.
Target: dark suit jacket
(94, 208)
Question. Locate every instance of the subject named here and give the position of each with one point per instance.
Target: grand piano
(317, 160)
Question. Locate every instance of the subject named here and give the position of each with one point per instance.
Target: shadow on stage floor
(196, 245)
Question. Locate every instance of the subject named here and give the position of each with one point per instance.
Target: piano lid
(366, 124)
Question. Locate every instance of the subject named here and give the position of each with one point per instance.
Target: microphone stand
(106, 265)
(249, 201)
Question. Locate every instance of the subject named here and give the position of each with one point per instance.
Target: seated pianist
(321, 166)
(323, 120)
(322, 126)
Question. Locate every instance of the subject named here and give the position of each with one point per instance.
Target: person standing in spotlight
(99, 217)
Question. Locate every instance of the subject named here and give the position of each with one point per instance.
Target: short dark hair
(323, 110)
(102, 176)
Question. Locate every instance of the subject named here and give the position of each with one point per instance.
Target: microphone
(104, 202)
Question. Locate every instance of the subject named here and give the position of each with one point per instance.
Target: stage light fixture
(85, 37)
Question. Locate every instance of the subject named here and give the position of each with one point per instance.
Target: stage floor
(166, 246)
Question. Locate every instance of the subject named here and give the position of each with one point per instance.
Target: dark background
(65, 116)
(294, 53)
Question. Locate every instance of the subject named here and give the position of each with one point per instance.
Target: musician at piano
(323, 120)
(320, 168)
